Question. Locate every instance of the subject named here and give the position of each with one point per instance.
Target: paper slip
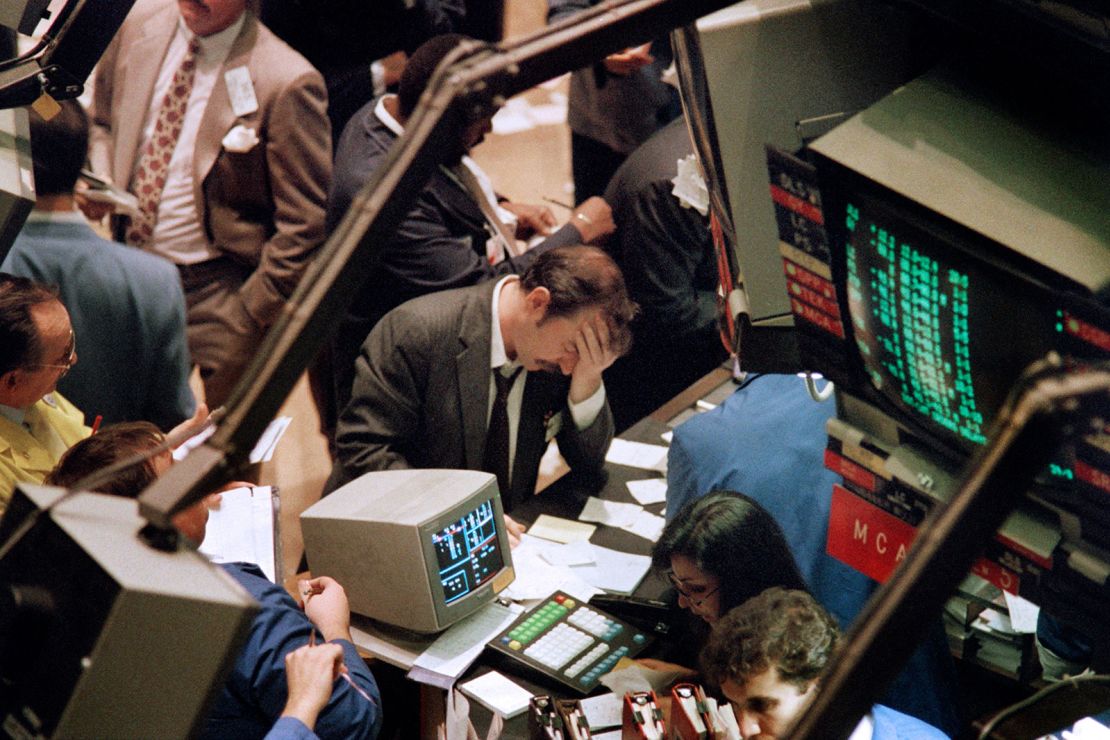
(603, 711)
(635, 677)
(241, 530)
(610, 735)
(651, 491)
(647, 525)
(637, 455)
(263, 448)
(458, 647)
(558, 529)
(498, 694)
(612, 570)
(667, 436)
(1023, 613)
(613, 513)
(537, 579)
(572, 553)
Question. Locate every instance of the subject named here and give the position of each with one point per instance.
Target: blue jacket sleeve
(290, 728)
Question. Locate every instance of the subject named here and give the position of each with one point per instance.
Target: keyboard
(569, 641)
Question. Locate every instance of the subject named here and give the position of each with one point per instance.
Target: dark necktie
(496, 459)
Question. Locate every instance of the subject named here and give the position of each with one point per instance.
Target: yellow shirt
(27, 456)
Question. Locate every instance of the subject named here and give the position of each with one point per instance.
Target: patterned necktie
(496, 458)
(150, 177)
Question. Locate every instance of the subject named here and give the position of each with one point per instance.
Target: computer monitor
(415, 549)
(934, 247)
(766, 68)
(103, 636)
(955, 261)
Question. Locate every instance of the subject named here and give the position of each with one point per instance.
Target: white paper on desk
(603, 711)
(458, 647)
(647, 525)
(609, 735)
(612, 513)
(536, 579)
(637, 455)
(650, 491)
(667, 436)
(498, 694)
(558, 529)
(572, 553)
(638, 678)
(612, 570)
(241, 529)
(1023, 613)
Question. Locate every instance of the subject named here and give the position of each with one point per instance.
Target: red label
(992, 572)
(1092, 475)
(802, 207)
(815, 317)
(857, 474)
(865, 537)
(813, 298)
(796, 272)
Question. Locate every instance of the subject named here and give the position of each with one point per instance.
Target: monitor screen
(943, 322)
(468, 552)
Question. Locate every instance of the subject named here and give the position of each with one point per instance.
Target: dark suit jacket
(421, 398)
(441, 244)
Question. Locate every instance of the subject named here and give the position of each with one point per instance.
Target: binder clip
(642, 719)
(544, 722)
(692, 717)
(575, 724)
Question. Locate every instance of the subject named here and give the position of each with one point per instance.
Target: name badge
(240, 90)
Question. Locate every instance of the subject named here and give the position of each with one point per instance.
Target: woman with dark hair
(719, 551)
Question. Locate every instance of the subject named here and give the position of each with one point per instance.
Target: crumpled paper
(689, 185)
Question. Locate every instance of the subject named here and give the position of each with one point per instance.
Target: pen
(96, 424)
(558, 203)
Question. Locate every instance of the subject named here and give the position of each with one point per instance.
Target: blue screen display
(468, 552)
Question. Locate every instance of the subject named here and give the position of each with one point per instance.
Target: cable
(1029, 701)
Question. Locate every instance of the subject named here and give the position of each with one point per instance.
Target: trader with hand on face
(482, 378)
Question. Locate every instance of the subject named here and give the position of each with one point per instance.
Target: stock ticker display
(468, 552)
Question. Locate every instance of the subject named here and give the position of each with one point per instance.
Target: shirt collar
(56, 217)
(217, 45)
(13, 415)
(386, 117)
(497, 356)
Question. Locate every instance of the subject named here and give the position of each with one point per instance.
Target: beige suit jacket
(264, 207)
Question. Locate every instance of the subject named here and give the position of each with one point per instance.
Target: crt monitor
(415, 549)
(101, 635)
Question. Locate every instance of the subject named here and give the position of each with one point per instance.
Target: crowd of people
(486, 331)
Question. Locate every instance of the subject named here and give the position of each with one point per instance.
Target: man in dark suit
(436, 373)
(449, 239)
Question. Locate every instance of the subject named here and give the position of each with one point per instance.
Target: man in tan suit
(221, 131)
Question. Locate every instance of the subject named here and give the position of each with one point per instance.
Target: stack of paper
(462, 643)
(498, 694)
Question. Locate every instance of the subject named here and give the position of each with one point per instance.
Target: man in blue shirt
(127, 307)
(768, 655)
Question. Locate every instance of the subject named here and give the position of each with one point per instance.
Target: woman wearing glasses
(718, 552)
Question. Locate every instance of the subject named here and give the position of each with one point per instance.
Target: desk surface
(565, 498)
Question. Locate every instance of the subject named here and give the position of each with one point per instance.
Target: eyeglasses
(70, 355)
(695, 602)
